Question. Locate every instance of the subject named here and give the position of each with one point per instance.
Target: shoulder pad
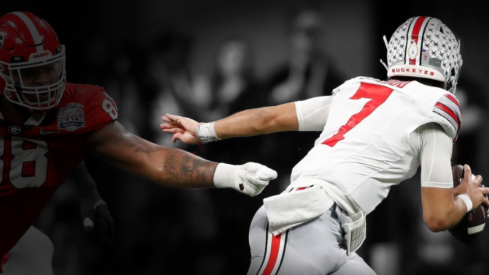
(448, 108)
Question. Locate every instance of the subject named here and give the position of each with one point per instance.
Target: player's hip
(315, 246)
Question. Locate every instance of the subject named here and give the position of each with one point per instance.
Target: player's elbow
(436, 223)
(263, 118)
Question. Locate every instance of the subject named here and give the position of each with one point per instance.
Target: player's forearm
(82, 180)
(440, 209)
(167, 166)
(258, 121)
(447, 218)
(182, 169)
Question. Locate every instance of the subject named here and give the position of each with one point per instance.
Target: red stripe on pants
(273, 254)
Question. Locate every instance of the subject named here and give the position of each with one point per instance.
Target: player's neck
(12, 113)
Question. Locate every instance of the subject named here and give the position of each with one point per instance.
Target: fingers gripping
(471, 185)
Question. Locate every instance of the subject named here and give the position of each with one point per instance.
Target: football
(474, 221)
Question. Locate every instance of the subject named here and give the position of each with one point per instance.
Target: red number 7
(377, 94)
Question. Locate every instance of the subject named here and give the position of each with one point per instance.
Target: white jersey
(363, 149)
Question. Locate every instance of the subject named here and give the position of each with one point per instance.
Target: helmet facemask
(39, 85)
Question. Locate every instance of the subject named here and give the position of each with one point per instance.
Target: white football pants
(313, 248)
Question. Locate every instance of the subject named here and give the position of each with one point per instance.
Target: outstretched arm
(306, 115)
(259, 121)
(172, 167)
(243, 124)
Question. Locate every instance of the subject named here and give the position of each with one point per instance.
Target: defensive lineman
(47, 126)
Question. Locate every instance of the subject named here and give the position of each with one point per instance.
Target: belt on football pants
(308, 198)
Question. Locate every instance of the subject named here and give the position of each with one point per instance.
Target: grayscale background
(208, 59)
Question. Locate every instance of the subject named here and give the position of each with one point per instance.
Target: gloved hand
(250, 178)
(96, 217)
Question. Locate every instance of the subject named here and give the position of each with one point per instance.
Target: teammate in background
(377, 134)
(47, 126)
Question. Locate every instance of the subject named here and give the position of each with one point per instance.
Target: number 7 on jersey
(378, 95)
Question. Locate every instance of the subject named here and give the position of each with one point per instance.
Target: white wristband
(224, 175)
(466, 199)
(206, 133)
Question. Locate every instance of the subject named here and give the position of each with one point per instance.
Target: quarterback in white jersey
(374, 134)
(368, 143)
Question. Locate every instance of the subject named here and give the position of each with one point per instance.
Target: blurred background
(209, 59)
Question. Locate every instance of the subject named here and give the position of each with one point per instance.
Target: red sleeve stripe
(452, 105)
(453, 99)
(448, 111)
(448, 114)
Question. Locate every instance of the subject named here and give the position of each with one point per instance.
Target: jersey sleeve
(312, 114)
(447, 113)
(434, 148)
(100, 109)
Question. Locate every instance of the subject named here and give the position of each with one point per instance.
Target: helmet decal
(415, 39)
(32, 37)
(424, 47)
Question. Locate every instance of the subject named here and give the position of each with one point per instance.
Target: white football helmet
(424, 47)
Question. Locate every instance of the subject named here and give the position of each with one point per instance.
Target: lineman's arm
(307, 115)
(442, 208)
(172, 167)
(84, 183)
(95, 213)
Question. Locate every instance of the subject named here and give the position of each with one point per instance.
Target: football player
(48, 125)
(375, 134)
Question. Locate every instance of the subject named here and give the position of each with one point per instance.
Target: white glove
(250, 178)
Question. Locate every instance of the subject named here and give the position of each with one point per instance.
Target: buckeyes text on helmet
(32, 61)
(424, 47)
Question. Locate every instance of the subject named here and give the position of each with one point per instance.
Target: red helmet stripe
(35, 36)
(417, 28)
(415, 34)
